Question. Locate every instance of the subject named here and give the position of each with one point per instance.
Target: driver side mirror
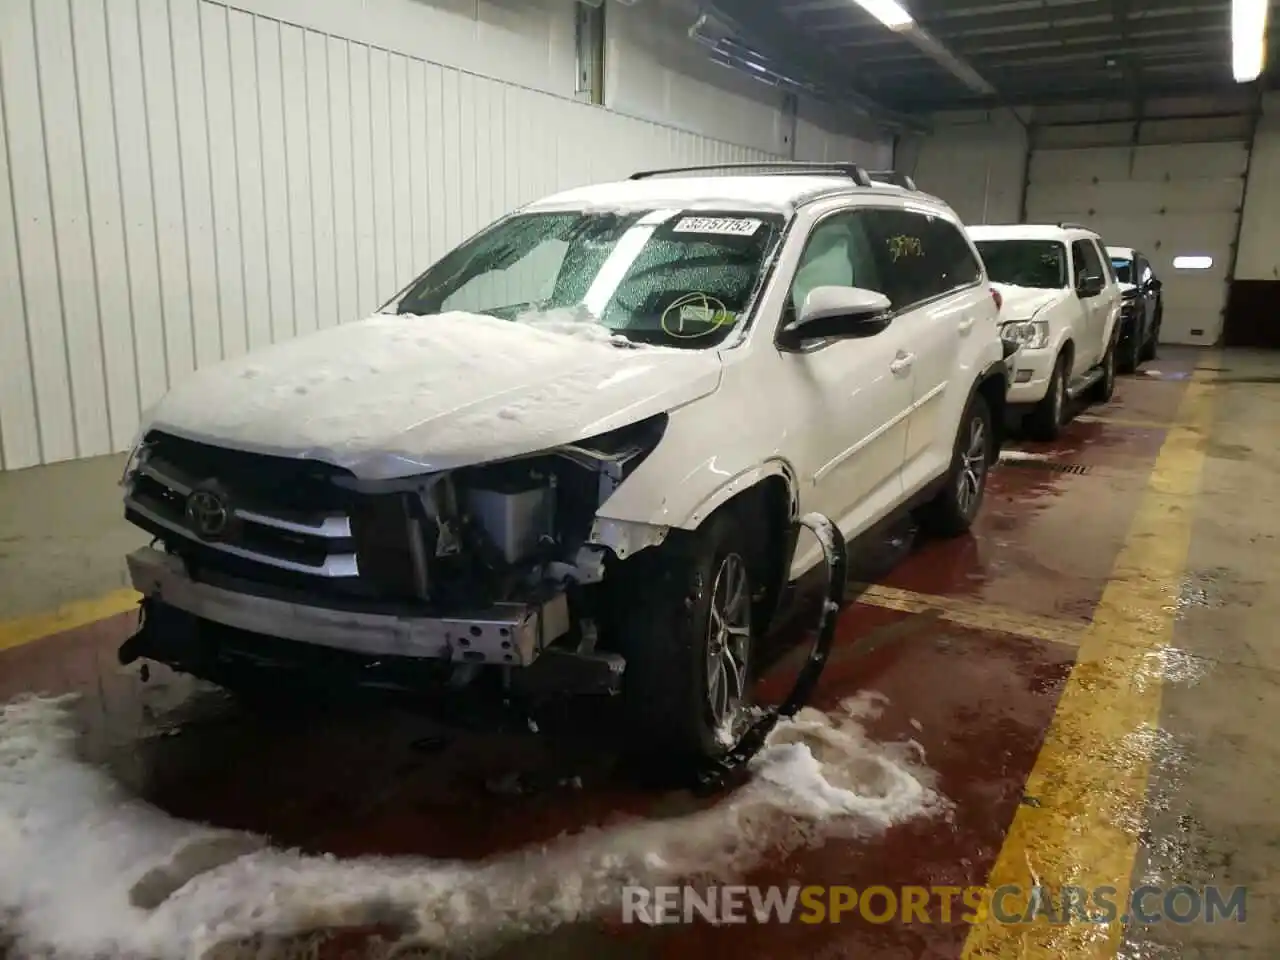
(838, 313)
(1090, 285)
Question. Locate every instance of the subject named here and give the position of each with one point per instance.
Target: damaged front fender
(626, 537)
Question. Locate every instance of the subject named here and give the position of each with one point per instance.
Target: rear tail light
(999, 300)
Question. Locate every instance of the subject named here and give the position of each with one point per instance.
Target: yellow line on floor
(78, 613)
(974, 614)
(1090, 778)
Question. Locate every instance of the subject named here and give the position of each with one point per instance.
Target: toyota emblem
(208, 514)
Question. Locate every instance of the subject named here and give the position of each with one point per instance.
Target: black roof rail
(894, 177)
(777, 167)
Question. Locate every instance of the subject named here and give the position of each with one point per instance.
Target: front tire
(952, 512)
(684, 624)
(1045, 421)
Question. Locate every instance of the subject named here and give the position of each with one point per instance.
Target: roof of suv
(766, 193)
(1028, 231)
(1124, 253)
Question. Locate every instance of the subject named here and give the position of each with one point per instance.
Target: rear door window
(922, 256)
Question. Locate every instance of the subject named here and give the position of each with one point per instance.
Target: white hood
(1022, 303)
(394, 396)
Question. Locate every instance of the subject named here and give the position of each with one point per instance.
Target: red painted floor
(355, 782)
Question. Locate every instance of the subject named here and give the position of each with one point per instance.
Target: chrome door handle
(903, 363)
(966, 324)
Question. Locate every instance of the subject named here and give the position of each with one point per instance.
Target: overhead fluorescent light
(1248, 39)
(1192, 263)
(889, 12)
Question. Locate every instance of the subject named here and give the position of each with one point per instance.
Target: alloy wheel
(728, 640)
(973, 468)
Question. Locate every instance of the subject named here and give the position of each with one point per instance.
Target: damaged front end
(492, 572)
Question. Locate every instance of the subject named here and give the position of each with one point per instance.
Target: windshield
(1124, 269)
(1025, 263)
(669, 277)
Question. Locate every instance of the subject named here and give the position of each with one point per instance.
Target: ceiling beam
(1123, 30)
(927, 102)
(1205, 50)
(773, 38)
(1129, 64)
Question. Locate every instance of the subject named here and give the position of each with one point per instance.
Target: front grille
(280, 513)
(383, 530)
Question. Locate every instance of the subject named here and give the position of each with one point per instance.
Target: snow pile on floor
(90, 872)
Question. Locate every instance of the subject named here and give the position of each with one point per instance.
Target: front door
(856, 394)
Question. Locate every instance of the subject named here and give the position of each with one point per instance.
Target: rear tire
(952, 512)
(1105, 388)
(1149, 346)
(1130, 354)
(1045, 421)
(684, 625)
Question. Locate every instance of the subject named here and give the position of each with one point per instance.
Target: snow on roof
(1120, 253)
(763, 192)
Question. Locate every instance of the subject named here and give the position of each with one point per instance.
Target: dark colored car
(1142, 307)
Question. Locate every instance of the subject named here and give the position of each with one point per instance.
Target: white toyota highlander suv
(1061, 302)
(572, 455)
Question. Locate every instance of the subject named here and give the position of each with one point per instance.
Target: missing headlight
(616, 454)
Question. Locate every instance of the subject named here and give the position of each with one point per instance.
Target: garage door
(1177, 203)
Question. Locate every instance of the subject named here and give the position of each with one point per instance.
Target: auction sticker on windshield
(726, 226)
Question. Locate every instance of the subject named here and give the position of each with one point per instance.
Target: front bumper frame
(507, 634)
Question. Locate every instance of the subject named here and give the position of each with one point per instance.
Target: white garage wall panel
(183, 180)
(976, 163)
(1166, 199)
(1259, 257)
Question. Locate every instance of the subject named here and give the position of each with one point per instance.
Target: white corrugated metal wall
(1259, 257)
(188, 180)
(975, 161)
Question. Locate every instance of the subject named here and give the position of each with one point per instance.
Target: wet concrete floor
(957, 656)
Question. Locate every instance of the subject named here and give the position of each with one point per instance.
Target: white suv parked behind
(572, 455)
(1061, 302)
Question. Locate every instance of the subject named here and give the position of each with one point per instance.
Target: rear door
(933, 283)
(1143, 277)
(1086, 262)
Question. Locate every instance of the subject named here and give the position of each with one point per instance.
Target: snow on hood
(1021, 303)
(393, 396)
